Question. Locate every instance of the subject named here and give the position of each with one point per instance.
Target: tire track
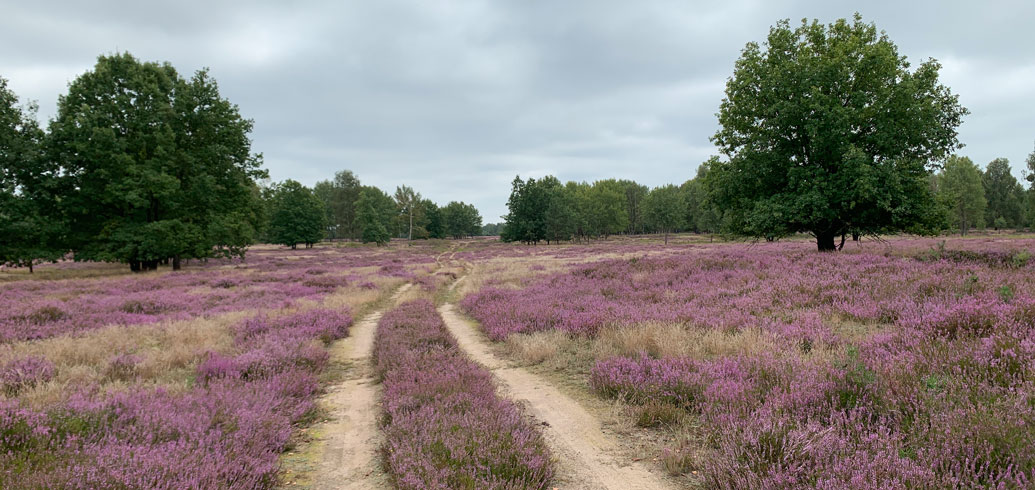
(350, 454)
(587, 458)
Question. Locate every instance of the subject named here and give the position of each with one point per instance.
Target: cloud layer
(455, 98)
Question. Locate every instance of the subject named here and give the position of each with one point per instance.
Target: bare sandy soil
(352, 438)
(587, 458)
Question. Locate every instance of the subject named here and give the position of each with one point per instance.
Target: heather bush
(880, 371)
(227, 432)
(444, 425)
(122, 367)
(24, 373)
(37, 309)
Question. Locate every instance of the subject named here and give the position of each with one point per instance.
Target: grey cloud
(455, 98)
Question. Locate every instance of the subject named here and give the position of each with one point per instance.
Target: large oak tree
(153, 166)
(829, 131)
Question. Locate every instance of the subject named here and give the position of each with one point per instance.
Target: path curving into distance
(586, 457)
(350, 454)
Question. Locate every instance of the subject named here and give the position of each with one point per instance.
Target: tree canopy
(152, 166)
(375, 213)
(961, 192)
(664, 209)
(297, 215)
(1004, 194)
(828, 131)
(461, 220)
(27, 235)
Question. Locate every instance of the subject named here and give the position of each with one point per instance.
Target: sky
(456, 98)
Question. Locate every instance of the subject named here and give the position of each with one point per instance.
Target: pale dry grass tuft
(538, 347)
(168, 353)
(356, 298)
(673, 340)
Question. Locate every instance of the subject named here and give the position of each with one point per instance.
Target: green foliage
(1004, 194)
(702, 215)
(1006, 293)
(605, 212)
(375, 213)
(409, 203)
(297, 215)
(635, 196)
(28, 235)
(961, 192)
(142, 150)
(433, 222)
(665, 209)
(461, 220)
(828, 132)
(491, 229)
(339, 197)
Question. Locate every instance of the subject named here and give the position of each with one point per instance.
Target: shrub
(24, 373)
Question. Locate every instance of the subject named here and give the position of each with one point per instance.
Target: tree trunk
(30, 267)
(176, 262)
(666, 237)
(855, 236)
(841, 246)
(134, 265)
(825, 242)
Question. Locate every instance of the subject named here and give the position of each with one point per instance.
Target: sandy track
(350, 459)
(586, 457)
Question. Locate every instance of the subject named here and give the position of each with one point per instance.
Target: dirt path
(349, 459)
(587, 458)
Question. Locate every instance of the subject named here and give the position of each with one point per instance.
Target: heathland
(903, 363)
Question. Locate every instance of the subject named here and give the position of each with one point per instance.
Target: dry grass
(168, 353)
(674, 340)
(357, 299)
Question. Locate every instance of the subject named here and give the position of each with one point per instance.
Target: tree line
(342, 208)
(545, 210)
(826, 130)
(144, 166)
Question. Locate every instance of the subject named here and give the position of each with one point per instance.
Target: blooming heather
(912, 367)
(444, 425)
(269, 279)
(227, 432)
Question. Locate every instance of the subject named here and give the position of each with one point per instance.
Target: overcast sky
(456, 98)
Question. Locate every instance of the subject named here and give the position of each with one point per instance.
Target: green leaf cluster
(828, 131)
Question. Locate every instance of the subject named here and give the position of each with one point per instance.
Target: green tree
(559, 220)
(375, 215)
(29, 229)
(961, 192)
(491, 229)
(408, 202)
(1004, 194)
(665, 210)
(461, 220)
(298, 215)
(701, 215)
(339, 196)
(634, 202)
(152, 166)
(432, 219)
(1029, 195)
(525, 219)
(370, 219)
(827, 131)
(606, 213)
